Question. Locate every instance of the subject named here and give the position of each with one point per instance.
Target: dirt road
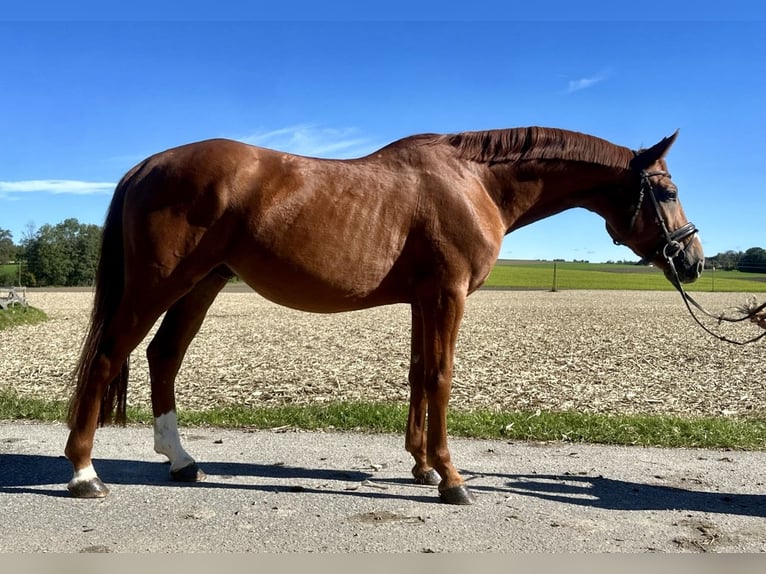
(288, 492)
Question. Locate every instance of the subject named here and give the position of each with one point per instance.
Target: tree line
(66, 254)
(752, 260)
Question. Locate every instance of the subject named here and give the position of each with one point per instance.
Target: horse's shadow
(24, 473)
(612, 494)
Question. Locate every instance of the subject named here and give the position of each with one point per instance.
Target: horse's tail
(109, 288)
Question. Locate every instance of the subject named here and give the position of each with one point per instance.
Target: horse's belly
(330, 288)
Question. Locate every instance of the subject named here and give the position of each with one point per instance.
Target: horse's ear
(646, 157)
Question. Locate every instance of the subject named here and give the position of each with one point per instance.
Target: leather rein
(672, 247)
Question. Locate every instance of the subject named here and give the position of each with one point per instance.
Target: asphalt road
(290, 492)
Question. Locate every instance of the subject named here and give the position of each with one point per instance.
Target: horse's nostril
(700, 267)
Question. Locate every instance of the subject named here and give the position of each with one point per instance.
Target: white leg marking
(83, 475)
(167, 441)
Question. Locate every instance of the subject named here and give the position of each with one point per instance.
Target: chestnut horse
(419, 221)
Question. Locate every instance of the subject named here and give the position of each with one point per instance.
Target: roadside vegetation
(632, 430)
(16, 315)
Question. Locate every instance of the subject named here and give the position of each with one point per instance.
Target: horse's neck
(535, 190)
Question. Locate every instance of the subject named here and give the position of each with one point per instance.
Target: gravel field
(593, 351)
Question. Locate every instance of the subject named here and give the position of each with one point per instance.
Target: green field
(9, 268)
(568, 275)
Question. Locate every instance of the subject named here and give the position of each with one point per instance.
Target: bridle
(673, 244)
(672, 247)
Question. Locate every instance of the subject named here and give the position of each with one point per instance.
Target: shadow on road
(24, 473)
(611, 494)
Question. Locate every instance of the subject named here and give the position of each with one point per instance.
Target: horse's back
(308, 233)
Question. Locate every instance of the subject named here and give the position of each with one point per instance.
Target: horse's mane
(515, 144)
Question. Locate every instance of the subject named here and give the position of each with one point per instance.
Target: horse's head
(651, 220)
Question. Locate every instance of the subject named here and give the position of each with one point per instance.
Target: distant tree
(753, 261)
(65, 254)
(7, 255)
(86, 253)
(7, 248)
(726, 261)
(23, 276)
(29, 233)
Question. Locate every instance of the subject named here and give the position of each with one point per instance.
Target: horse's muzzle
(688, 267)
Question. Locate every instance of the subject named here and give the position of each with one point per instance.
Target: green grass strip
(639, 430)
(15, 407)
(15, 316)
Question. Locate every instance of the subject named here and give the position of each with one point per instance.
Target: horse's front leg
(442, 314)
(165, 354)
(415, 440)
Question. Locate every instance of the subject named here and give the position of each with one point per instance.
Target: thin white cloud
(56, 187)
(305, 139)
(585, 83)
(315, 141)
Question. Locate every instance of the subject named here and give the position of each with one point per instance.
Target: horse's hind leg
(122, 334)
(165, 354)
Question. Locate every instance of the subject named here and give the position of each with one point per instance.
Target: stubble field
(615, 352)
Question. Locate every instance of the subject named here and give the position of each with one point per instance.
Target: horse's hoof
(189, 473)
(457, 495)
(429, 477)
(92, 488)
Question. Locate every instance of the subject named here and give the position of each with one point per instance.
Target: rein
(689, 300)
(673, 247)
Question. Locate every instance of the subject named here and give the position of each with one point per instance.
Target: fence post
(554, 289)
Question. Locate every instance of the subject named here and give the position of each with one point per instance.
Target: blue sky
(85, 96)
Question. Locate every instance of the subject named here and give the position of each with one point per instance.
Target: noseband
(674, 241)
